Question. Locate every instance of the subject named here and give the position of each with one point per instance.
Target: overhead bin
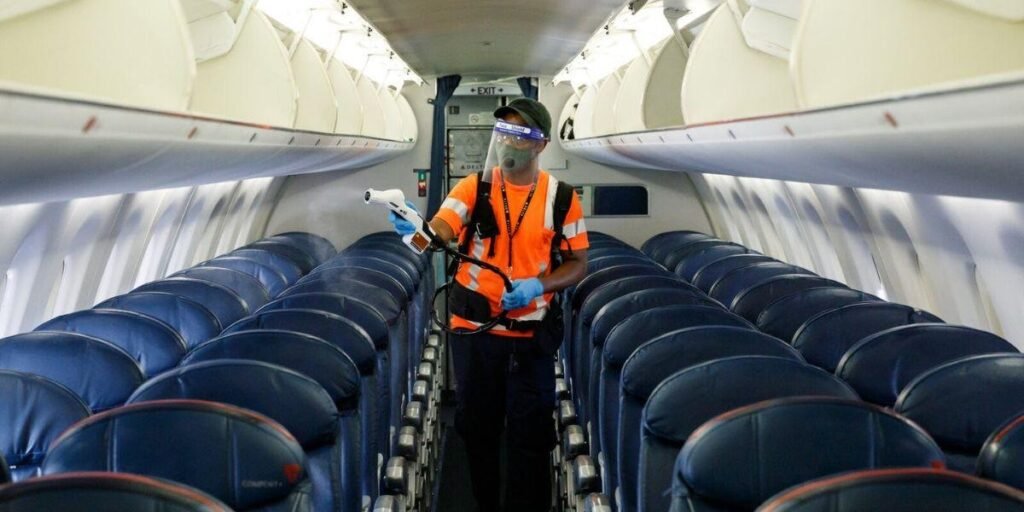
(662, 104)
(603, 122)
(629, 102)
(317, 109)
(350, 109)
(584, 121)
(410, 130)
(847, 52)
(374, 122)
(392, 116)
(562, 129)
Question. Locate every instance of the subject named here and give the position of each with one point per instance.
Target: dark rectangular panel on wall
(619, 200)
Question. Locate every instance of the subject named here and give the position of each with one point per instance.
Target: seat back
(665, 248)
(353, 266)
(652, 243)
(244, 285)
(155, 345)
(708, 276)
(616, 258)
(299, 257)
(783, 317)
(393, 245)
(962, 402)
(825, 337)
(595, 280)
(319, 247)
(741, 458)
(74, 361)
(357, 256)
(913, 489)
(348, 307)
(238, 456)
(35, 411)
(189, 318)
(879, 366)
(288, 268)
(1000, 457)
(301, 405)
(225, 304)
(673, 259)
(271, 279)
(91, 491)
(736, 281)
(752, 302)
(689, 266)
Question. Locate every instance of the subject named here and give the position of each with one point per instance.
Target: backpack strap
(563, 201)
(482, 222)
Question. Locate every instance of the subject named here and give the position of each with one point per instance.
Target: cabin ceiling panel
(486, 39)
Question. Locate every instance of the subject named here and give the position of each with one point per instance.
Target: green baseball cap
(533, 111)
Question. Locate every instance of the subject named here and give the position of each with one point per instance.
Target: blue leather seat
(737, 281)
(301, 405)
(189, 318)
(681, 254)
(34, 411)
(357, 344)
(609, 316)
(225, 304)
(393, 244)
(615, 259)
(897, 490)
(75, 361)
(240, 457)
(783, 317)
(643, 462)
(665, 252)
(288, 268)
(594, 281)
(879, 366)
(90, 491)
(320, 248)
(244, 285)
(689, 266)
(741, 458)
(155, 345)
(1001, 454)
(962, 402)
(708, 276)
(305, 262)
(656, 246)
(752, 301)
(825, 337)
(351, 308)
(271, 279)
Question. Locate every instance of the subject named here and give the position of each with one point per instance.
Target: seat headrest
(271, 279)
(677, 257)
(342, 275)
(319, 247)
(669, 246)
(412, 266)
(708, 276)
(304, 261)
(285, 266)
(90, 491)
(750, 302)
(358, 263)
(191, 319)
(824, 338)
(783, 317)
(240, 457)
(596, 279)
(614, 289)
(393, 245)
(644, 326)
(960, 403)
(244, 285)
(914, 489)
(36, 411)
(732, 284)
(614, 257)
(693, 263)
(290, 398)
(75, 360)
(154, 344)
(1001, 456)
(685, 399)
(340, 332)
(342, 305)
(382, 300)
(628, 305)
(743, 457)
(225, 304)
(661, 238)
(308, 355)
(879, 366)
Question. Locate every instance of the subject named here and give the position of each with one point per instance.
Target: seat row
(322, 370)
(653, 357)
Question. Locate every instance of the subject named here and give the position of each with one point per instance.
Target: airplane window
(619, 200)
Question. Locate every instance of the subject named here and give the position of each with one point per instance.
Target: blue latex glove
(402, 226)
(523, 291)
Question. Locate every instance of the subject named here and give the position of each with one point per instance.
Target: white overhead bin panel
(12, 8)
(769, 32)
(726, 79)
(568, 112)
(212, 36)
(253, 82)
(847, 52)
(1012, 10)
(787, 8)
(410, 129)
(350, 110)
(129, 53)
(662, 106)
(373, 112)
(629, 104)
(584, 121)
(317, 110)
(603, 122)
(392, 116)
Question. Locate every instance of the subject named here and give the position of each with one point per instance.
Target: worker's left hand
(523, 291)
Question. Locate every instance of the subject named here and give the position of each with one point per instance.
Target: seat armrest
(388, 504)
(596, 503)
(566, 414)
(586, 477)
(574, 442)
(408, 444)
(396, 477)
(413, 416)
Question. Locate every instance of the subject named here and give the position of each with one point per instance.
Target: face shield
(514, 148)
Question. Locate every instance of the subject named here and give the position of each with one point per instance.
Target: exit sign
(486, 91)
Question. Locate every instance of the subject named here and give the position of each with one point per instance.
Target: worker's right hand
(402, 226)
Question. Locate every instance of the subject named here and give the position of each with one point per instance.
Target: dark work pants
(495, 394)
